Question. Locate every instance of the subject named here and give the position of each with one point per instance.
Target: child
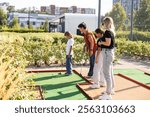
(69, 53)
(98, 76)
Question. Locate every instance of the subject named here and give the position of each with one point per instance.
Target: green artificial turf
(135, 74)
(59, 86)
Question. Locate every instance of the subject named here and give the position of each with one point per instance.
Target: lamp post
(99, 13)
(29, 17)
(131, 30)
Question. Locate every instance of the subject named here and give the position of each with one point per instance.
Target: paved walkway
(123, 63)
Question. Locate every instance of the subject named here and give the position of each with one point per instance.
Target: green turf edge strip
(135, 81)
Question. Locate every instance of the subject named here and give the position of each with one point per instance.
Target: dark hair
(98, 30)
(82, 25)
(67, 34)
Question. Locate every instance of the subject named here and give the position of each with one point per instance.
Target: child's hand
(96, 61)
(99, 43)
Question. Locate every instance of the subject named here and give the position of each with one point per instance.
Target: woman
(107, 44)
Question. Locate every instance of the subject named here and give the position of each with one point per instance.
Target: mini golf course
(131, 84)
(57, 86)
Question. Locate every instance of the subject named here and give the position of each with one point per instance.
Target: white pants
(98, 76)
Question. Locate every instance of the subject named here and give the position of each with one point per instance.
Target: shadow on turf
(50, 87)
(49, 77)
(59, 85)
(62, 96)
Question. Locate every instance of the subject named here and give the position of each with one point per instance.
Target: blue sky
(106, 4)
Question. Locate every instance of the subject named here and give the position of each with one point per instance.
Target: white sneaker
(105, 97)
(112, 92)
(94, 86)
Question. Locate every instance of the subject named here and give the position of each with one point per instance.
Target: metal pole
(131, 33)
(99, 13)
(29, 18)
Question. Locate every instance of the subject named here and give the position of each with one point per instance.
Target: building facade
(54, 10)
(35, 19)
(70, 21)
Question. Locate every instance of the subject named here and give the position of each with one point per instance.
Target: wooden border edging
(132, 80)
(84, 92)
(147, 73)
(40, 91)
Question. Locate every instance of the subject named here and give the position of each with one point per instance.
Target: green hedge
(22, 30)
(133, 48)
(49, 48)
(137, 35)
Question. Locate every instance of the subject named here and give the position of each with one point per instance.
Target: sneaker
(112, 92)
(105, 97)
(68, 74)
(94, 86)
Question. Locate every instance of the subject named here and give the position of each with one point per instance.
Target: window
(34, 23)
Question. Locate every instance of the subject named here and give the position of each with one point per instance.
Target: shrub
(49, 48)
(13, 77)
(137, 35)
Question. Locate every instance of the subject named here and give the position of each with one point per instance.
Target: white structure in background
(4, 6)
(69, 22)
(35, 19)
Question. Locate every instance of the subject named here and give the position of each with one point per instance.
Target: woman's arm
(106, 43)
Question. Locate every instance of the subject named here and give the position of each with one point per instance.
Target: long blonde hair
(109, 24)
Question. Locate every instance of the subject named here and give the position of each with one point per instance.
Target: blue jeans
(92, 62)
(69, 64)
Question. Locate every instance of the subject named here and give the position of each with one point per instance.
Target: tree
(11, 9)
(3, 18)
(15, 23)
(142, 16)
(46, 25)
(119, 16)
